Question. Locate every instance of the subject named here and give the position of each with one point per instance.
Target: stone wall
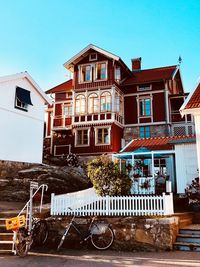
(131, 233)
(11, 168)
(156, 131)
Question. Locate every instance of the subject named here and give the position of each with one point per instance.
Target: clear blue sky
(40, 35)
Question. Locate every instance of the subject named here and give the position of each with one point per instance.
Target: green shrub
(107, 178)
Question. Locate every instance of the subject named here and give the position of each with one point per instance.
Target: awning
(23, 95)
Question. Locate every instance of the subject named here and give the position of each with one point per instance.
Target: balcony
(62, 122)
(99, 117)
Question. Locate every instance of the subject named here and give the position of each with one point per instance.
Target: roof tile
(194, 101)
(158, 143)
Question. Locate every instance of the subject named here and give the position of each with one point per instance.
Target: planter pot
(194, 207)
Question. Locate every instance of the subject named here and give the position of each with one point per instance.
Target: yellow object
(15, 223)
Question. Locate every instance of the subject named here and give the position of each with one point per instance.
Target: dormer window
(93, 57)
(22, 99)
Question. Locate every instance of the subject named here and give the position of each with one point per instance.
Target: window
(93, 103)
(145, 107)
(103, 137)
(117, 74)
(22, 99)
(68, 110)
(69, 94)
(118, 104)
(145, 132)
(93, 57)
(105, 102)
(86, 73)
(101, 71)
(82, 137)
(80, 104)
(144, 87)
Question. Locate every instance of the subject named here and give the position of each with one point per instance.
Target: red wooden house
(106, 104)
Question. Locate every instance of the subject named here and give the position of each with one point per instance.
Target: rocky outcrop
(60, 180)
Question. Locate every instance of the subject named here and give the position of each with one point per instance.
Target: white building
(192, 107)
(22, 109)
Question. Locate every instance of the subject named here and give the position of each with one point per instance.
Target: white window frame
(110, 110)
(96, 135)
(144, 88)
(80, 73)
(141, 99)
(76, 137)
(80, 113)
(117, 68)
(93, 101)
(92, 59)
(106, 71)
(68, 105)
(21, 105)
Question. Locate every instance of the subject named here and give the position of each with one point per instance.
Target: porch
(152, 172)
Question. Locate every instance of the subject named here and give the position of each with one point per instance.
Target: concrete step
(6, 245)
(190, 238)
(182, 246)
(6, 236)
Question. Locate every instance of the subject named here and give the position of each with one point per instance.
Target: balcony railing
(62, 122)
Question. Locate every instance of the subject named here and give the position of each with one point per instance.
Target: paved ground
(104, 259)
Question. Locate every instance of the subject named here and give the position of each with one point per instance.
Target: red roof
(158, 143)
(63, 87)
(142, 76)
(194, 101)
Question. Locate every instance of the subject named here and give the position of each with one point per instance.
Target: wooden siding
(130, 110)
(159, 107)
(115, 146)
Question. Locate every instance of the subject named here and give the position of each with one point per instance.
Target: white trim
(88, 134)
(92, 59)
(126, 145)
(145, 153)
(144, 93)
(175, 72)
(95, 71)
(145, 124)
(26, 75)
(96, 128)
(182, 108)
(68, 64)
(144, 90)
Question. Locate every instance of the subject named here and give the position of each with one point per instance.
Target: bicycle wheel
(103, 240)
(40, 232)
(21, 244)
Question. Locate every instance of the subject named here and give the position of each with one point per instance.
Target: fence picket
(85, 205)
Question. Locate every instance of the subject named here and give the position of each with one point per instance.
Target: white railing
(66, 148)
(112, 206)
(143, 186)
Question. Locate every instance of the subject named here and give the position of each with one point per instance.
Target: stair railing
(28, 208)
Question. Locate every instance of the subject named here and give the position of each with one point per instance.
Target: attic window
(22, 98)
(144, 87)
(93, 57)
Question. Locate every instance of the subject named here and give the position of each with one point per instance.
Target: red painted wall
(115, 146)
(130, 110)
(159, 107)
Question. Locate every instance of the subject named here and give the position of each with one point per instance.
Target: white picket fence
(86, 205)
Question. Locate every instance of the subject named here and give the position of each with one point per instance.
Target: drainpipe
(166, 92)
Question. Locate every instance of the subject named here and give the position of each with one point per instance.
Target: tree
(107, 178)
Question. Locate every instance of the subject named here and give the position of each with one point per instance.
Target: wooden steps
(188, 238)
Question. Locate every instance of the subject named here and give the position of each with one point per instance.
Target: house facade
(106, 104)
(192, 107)
(22, 108)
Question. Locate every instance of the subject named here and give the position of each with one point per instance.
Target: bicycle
(24, 239)
(100, 234)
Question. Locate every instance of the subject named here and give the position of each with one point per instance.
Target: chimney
(136, 63)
